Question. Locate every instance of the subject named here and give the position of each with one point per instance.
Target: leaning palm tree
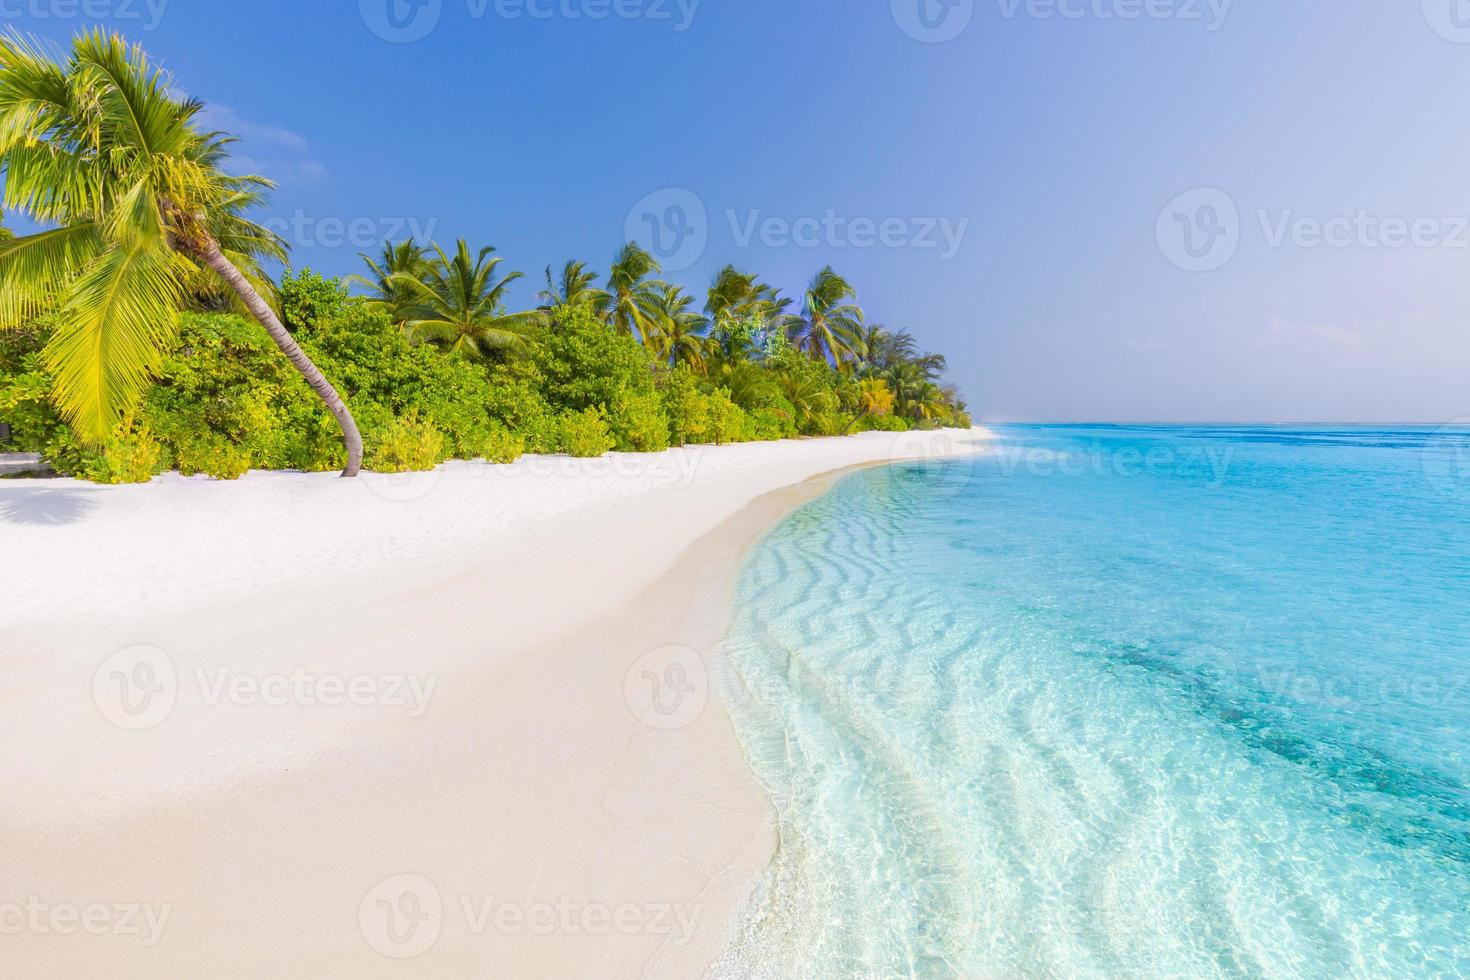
(829, 325)
(679, 330)
(404, 259)
(458, 305)
(144, 218)
(576, 290)
(633, 291)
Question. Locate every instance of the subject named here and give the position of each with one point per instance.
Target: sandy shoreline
(386, 718)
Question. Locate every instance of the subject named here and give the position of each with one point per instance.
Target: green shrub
(502, 445)
(584, 364)
(881, 423)
(308, 299)
(131, 455)
(727, 421)
(825, 423)
(406, 444)
(219, 459)
(638, 422)
(684, 406)
(226, 385)
(585, 434)
(515, 401)
(770, 424)
(25, 405)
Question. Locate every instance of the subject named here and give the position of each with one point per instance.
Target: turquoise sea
(1122, 701)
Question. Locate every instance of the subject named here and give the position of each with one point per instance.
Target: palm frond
(35, 269)
(119, 314)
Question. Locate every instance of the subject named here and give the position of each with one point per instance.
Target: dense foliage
(141, 222)
(225, 402)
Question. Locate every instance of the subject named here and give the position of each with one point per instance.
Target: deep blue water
(1119, 701)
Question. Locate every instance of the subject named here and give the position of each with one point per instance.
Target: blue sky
(1099, 209)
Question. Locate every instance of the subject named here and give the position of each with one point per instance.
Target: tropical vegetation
(141, 331)
(146, 223)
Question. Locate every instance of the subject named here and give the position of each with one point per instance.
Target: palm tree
(744, 313)
(829, 325)
(406, 258)
(576, 289)
(879, 348)
(458, 305)
(933, 365)
(679, 330)
(874, 398)
(736, 295)
(750, 386)
(143, 214)
(927, 402)
(779, 318)
(733, 295)
(808, 395)
(904, 379)
(633, 291)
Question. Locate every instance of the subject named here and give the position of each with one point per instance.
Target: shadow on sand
(42, 505)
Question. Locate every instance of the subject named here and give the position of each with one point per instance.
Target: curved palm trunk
(260, 309)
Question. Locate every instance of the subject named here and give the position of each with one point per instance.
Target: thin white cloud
(1280, 331)
(270, 151)
(223, 117)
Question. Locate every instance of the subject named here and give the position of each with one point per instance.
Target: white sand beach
(462, 723)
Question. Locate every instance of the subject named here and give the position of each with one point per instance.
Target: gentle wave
(1116, 721)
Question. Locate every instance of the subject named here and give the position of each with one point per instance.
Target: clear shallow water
(1119, 701)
